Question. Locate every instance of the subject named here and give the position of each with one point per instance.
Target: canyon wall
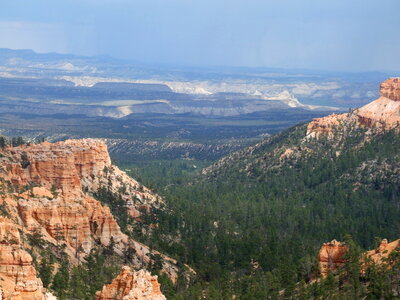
(47, 189)
(72, 166)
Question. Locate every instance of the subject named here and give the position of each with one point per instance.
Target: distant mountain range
(103, 86)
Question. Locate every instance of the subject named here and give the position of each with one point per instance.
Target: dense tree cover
(158, 174)
(257, 224)
(89, 277)
(116, 204)
(81, 281)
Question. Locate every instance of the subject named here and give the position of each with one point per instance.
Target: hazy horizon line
(202, 66)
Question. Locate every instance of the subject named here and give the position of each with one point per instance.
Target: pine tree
(46, 271)
(60, 283)
(3, 142)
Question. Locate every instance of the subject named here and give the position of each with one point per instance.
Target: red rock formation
(59, 208)
(61, 164)
(72, 165)
(383, 251)
(130, 285)
(79, 222)
(331, 256)
(288, 152)
(391, 89)
(381, 114)
(18, 279)
(60, 205)
(324, 126)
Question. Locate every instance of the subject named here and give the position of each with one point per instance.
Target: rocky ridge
(304, 141)
(130, 285)
(381, 114)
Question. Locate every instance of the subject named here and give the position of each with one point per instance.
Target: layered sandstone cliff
(48, 181)
(59, 178)
(18, 280)
(72, 166)
(47, 189)
(381, 114)
(130, 285)
(332, 255)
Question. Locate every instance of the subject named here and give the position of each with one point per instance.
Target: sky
(346, 35)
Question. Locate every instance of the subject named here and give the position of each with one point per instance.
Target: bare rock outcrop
(57, 203)
(18, 280)
(78, 222)
(331, 256)
(383, 251)
(54, 203)
(70, 166)
(391, 89)
(130, 285)
(381, 114)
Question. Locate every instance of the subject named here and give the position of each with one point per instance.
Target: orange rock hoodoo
(381, 114)
(130, 285)
(332, 255)
(70, 166)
